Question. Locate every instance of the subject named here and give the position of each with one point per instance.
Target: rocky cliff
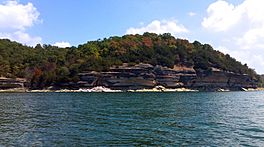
(147, 76)
(9, 83)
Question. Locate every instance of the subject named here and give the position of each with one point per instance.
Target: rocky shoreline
(104, 89)
(144, 78)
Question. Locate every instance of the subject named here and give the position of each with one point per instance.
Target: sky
(235, 27)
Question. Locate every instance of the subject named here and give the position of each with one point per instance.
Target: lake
(131, 119)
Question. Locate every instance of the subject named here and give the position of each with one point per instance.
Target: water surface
(90, 119)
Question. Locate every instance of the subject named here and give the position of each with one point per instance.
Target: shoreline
(104, 89)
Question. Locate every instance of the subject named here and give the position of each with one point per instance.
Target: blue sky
(231, 26)
(78, 21)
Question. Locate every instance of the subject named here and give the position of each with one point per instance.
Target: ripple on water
(158, 119)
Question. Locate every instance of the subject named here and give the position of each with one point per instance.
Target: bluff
(142, 75)
(129, 61)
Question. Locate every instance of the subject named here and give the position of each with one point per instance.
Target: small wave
(256, 130)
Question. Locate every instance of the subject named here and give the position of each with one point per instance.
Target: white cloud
(159, 27)
(252, 38)
(245, 19)
(243, 26)
(15, 18)
(222, 16)
(191, 14)
(21, 37)
(62, 44)
(222, 49)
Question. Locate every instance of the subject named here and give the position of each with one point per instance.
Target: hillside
(44, 66)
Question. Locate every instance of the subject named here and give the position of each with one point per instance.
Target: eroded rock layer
(147, 76)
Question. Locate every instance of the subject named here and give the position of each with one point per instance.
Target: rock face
(8, 83)
(147, 76)
(224, 80)
(122, 77)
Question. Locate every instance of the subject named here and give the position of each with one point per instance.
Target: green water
(131, 119)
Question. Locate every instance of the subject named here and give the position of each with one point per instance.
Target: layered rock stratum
(142, 75)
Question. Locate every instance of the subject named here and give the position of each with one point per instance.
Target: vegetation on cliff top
(46, 65)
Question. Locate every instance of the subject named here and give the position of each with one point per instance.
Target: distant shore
(104, 89)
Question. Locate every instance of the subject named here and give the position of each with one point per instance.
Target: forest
(45, 65)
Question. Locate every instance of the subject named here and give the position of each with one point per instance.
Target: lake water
(99, 119)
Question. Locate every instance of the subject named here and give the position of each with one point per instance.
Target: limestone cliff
(147, 76)
(9, 83)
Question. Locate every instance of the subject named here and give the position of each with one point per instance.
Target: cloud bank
(159, 27)
(15, 19)
(242, 25)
